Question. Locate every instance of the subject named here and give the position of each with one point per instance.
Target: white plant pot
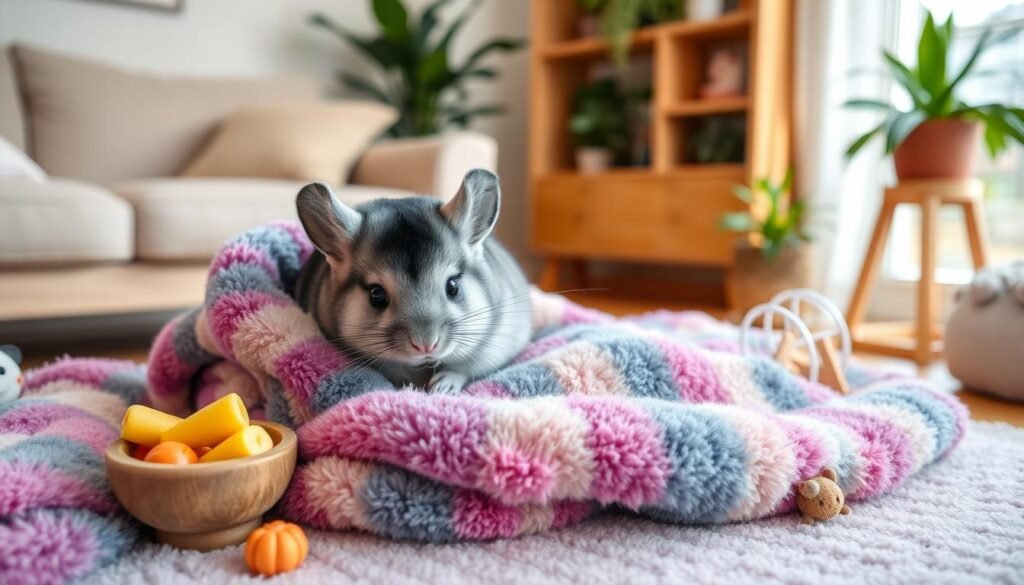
(704, 9)
(590, 160)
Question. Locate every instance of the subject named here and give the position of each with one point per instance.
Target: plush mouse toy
(820, 498)
(10, 373)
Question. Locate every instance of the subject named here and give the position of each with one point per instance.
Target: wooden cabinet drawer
(655, 219)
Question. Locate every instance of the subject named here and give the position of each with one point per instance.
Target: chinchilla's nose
(424, 346)
(424, 337)
(424, 333)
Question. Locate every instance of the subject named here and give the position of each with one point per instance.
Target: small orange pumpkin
(276, 547)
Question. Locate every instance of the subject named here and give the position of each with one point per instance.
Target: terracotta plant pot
(590, 160)
(758, 279)
(939, 149)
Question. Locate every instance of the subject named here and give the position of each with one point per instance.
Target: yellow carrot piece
(143, 425)
(248, 441)
(210, 425)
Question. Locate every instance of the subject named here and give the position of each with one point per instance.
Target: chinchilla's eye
(452, 288)
(3, 370)
(378, 297)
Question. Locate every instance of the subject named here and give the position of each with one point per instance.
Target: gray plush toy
(10, 373)
(984, 340)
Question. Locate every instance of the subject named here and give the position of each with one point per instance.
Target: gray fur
(411, 247)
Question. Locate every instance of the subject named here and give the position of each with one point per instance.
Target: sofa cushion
(99, 123)
(12, 124)
(14, 163)
(62, 221)
(305, 142)
(190, 218)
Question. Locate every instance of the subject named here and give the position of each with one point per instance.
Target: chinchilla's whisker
(375, 344)
(507, 301)
(368, 361)
(490, 318)
(490, 312)
(578, 290)
(359, 336)
(520, 297)
(462, 351)
(499, 343)
(352, 337)
(516, 296)
(489, 308)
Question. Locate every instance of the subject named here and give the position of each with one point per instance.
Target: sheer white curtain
(838, 57)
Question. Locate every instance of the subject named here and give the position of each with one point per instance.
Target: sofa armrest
(431, 165)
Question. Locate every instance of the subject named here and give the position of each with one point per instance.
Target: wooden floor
(104, 289)
(982, 407)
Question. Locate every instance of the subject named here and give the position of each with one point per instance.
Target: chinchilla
(414, 288)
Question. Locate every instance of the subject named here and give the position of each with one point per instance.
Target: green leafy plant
(933, 93)
(600, 117)
(782, 225)
(419, 79)
(619, 18)
(718, 139)
(591, 6)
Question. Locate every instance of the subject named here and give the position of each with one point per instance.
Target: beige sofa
(112, 142)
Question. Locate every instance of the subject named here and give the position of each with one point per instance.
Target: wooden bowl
(204, 506)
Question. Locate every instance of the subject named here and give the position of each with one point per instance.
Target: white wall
(252, 37)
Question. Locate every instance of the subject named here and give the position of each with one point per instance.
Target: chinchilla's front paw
(446, 382)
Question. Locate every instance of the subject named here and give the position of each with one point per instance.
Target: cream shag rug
(960, 521)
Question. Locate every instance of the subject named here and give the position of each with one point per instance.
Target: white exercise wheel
(835, 322)
(768, 312)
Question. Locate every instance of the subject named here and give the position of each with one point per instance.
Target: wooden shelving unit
(592, 47)
(667, 212)
(704, 107)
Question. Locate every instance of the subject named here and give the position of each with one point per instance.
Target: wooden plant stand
(921, 340)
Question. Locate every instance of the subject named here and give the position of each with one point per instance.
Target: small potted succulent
(774, 254)
(599, 124)
(938, 136)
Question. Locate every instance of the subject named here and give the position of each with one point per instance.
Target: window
(1003, 177)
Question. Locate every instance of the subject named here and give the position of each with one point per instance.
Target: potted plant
(717, 139)
(589, 22)
(420, 82)
(938, 136)
(619, 18)
(774, 255)
(599, 125)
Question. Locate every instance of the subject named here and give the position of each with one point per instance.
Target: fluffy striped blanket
(656, 415)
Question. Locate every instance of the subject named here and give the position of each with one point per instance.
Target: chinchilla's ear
(474, 209)
(829, 473)
(330, 224)
(13, 352)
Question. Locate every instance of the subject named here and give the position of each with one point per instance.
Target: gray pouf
(984, 340)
